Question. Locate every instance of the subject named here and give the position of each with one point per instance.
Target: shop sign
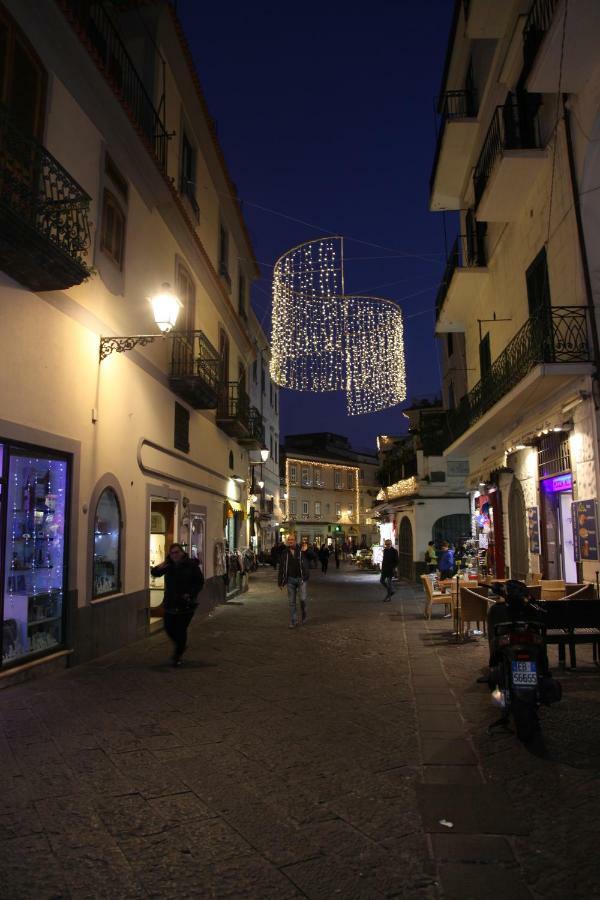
(558, 483)
(585, 529)
(533, 529)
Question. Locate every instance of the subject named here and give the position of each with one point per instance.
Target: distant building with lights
(329, 489)
(116, 440)
(423, 495)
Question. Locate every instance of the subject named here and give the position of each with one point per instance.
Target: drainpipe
(582, 248)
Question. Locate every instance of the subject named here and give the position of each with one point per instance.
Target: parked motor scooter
(519, 676)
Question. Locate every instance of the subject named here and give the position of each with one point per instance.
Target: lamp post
(165, 308)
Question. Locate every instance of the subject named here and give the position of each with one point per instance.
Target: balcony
(547, 352)
(486, 18)
(44, 228)
(465, 274)
(237, 418)
(455, 144)
(543, 45)
(255, 439)
(510, 161)
(100, 35)
(195, 370)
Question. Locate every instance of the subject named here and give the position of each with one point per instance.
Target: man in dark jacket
(183, 582)
(324, 557)
(388, 569)
(293, 573)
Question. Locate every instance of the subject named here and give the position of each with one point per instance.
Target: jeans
(296, 589)
(386, 581)
(324, 564)
(176, 626)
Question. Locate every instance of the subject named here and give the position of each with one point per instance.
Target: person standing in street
(431, 557)
(336, 555)
(324, 557)
(293, 574)
(388, 569)
(183, 582)
(446, 561)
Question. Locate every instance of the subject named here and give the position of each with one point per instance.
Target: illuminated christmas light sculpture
(325, 340)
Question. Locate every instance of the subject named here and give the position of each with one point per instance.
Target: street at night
(348, 757)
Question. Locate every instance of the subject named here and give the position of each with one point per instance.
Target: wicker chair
(432, 596)
(473, 608)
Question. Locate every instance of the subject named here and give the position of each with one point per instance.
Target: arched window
(112, 233)
(231, 459)
(107, 545)
(454, 529)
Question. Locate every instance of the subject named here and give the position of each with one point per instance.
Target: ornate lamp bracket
(121, 344)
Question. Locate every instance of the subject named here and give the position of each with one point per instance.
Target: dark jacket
(303, 557)
(324, 553)
(183, 583)
(389, 561)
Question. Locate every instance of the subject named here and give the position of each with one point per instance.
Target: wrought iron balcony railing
(44, 229)
(233, 410)
(514, 126)
(468, 252)
(95, 26)
(537, 24)
(452, 105)
(558, 336)
(256, 430)
(195, 369)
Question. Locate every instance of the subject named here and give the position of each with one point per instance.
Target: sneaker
(292, 625)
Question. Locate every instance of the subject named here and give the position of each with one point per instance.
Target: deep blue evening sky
(325, 114)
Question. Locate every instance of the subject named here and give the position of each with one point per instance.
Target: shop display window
(34, 561)
(107, 545)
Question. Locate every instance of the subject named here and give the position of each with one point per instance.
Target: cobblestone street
(317, 762)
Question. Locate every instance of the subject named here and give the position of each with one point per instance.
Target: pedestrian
(431, 557)
(293, 573)
(274, 556)
(324, 557)
(388, 569)
(183, 582)
(315, 556)
(446, 561)
(336, 555)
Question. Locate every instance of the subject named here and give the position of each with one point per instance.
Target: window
(271, 439)
(263, 377)
(224, 255)
(181, 438)
(317, 473)
(242, 296)
(292, 507)
(231, 460)
(224, 354)
(328, 508)
(271, 392)
(188, 174)
(338, 510)
(254, 371)
(338, 478)
(317, 507)
(276, 450)
(112, 231)
(305, 476)
(186, 291)
(293, 474)
(349, 480)
(350, 510)
(538, 289)
(22, 79)
(450, 344)
(107, 545)
(305, 507)
(485, 357)
(115, 176)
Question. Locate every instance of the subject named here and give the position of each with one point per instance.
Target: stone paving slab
(285, 764)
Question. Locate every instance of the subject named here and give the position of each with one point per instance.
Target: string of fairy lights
(324, 340)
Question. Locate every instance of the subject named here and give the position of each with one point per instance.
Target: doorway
(197, 539)
(162, 535)
(518, 539)
(559, 548)
(405, 550)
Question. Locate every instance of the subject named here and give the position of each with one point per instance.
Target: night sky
(325, 116)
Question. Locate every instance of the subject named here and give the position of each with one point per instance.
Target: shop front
(556, 495)
(488, 531)
(34, 510)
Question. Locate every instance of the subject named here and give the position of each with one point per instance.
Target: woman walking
(183, 582)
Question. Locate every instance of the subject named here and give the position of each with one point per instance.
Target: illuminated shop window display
(107, 544)
(34, 513)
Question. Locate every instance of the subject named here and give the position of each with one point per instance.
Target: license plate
(524, 673)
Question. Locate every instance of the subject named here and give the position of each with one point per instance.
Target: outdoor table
(454, 590)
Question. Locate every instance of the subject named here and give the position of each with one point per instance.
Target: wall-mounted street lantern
(165, 307)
